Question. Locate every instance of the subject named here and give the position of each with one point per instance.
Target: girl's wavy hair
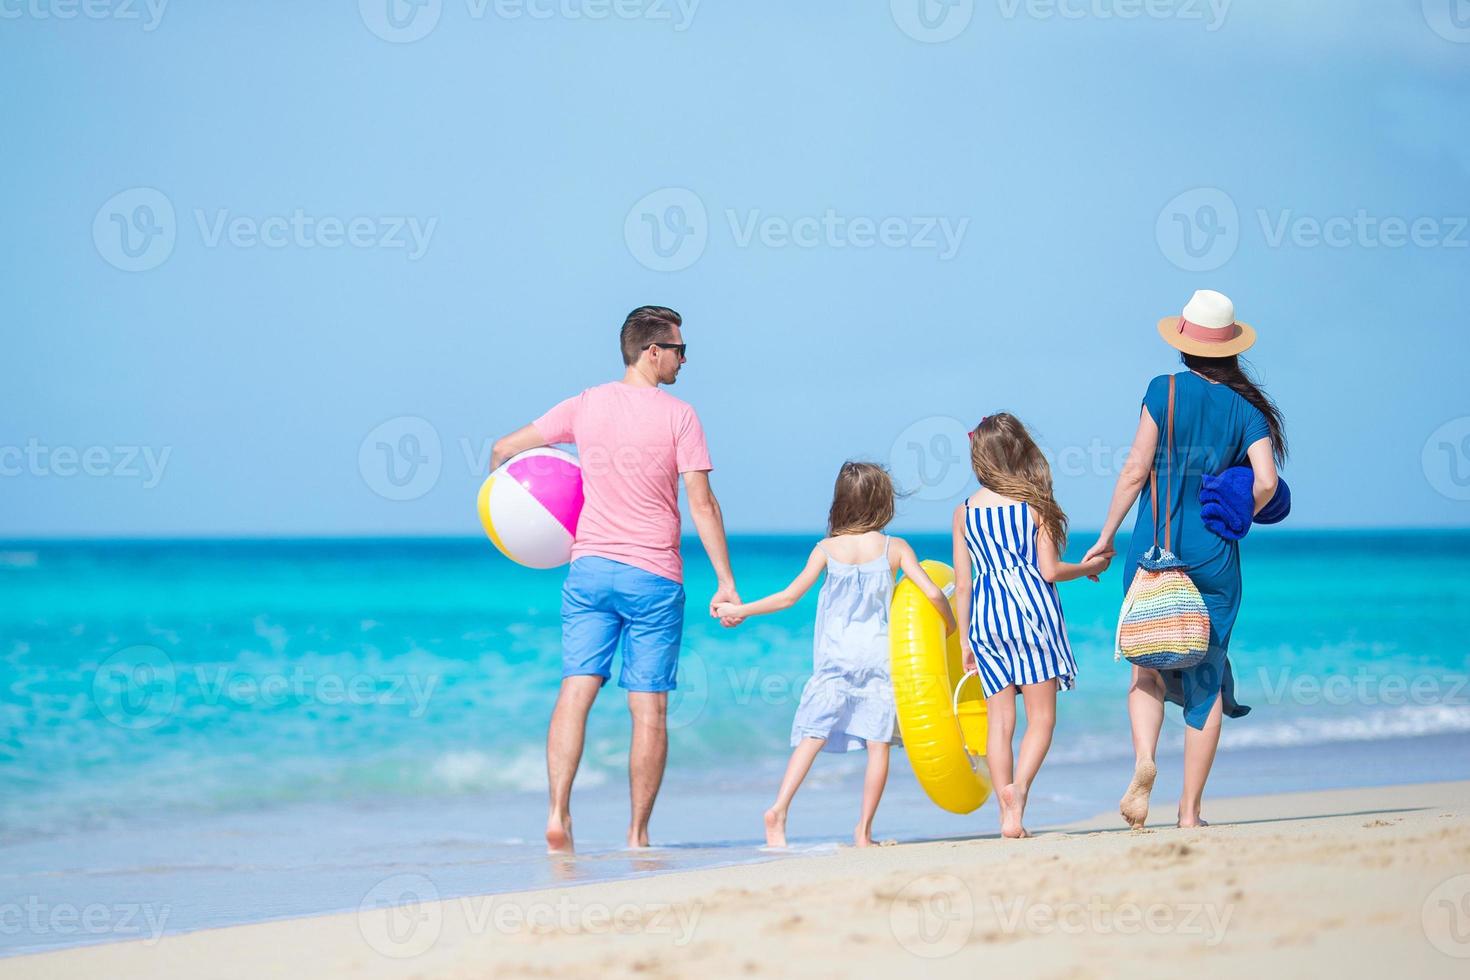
(862, 500)
(1007, 460)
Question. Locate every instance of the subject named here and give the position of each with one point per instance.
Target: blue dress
(1016, 625)
(1213, 428)
(849, 699)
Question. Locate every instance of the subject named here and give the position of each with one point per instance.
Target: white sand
(1353, 883)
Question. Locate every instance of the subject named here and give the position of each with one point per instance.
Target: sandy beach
(1363, 882)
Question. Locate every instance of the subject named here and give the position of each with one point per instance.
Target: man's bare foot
(1134, 805)
(1010, 813)
(862, 836)
(559, 835)
(637, 838)
(775, 827)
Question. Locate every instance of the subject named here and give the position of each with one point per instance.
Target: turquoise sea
(204, 733)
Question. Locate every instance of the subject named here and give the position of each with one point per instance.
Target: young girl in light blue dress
(848, 703)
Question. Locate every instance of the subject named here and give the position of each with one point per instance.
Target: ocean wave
(1255, 732)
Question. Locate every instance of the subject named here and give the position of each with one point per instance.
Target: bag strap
(1153, 478)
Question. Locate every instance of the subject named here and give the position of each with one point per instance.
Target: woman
(1222, 418)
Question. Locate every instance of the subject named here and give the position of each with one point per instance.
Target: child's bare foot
(559, 834)
(1134, 805)
(775, 828)
(1010, 814)
(862, 835)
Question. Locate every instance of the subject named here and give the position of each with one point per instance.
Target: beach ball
(530, 506)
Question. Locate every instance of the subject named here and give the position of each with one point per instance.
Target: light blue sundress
(849, 699)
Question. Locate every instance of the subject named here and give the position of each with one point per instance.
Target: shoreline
(1307, 879)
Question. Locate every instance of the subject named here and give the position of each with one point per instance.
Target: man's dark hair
(646, 325)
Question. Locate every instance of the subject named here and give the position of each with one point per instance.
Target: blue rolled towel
(1227, 500)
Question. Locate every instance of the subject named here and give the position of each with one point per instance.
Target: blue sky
(249, 245)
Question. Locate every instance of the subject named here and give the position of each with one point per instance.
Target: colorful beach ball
(530, 506)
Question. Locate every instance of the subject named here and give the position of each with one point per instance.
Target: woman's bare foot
(1187, 822)
(1010, 813)
(862, 836)
(775, 827)
(1134, 805)
(559, 834)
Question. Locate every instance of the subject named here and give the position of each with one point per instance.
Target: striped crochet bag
(1163, 623)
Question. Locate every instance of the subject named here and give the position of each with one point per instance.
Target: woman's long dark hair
(1228, 371)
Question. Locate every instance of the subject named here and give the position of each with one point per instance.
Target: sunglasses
(676, 348)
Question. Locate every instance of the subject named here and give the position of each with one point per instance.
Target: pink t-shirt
(632, 443)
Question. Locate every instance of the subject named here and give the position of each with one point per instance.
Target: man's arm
(526, 437)
(709, 520)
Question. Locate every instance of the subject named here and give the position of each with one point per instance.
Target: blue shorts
(606, 604)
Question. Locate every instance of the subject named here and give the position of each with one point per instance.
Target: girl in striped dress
(1008, 541)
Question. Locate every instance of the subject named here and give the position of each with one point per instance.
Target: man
(625, 585)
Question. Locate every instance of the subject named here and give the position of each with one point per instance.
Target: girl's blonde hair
(1007, 460)
(862, 500)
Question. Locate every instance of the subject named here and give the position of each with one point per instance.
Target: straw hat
(1207, 327)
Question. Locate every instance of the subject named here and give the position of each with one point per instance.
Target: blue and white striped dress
(1016, 626)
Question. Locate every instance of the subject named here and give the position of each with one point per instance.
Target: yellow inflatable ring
(941, 709)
